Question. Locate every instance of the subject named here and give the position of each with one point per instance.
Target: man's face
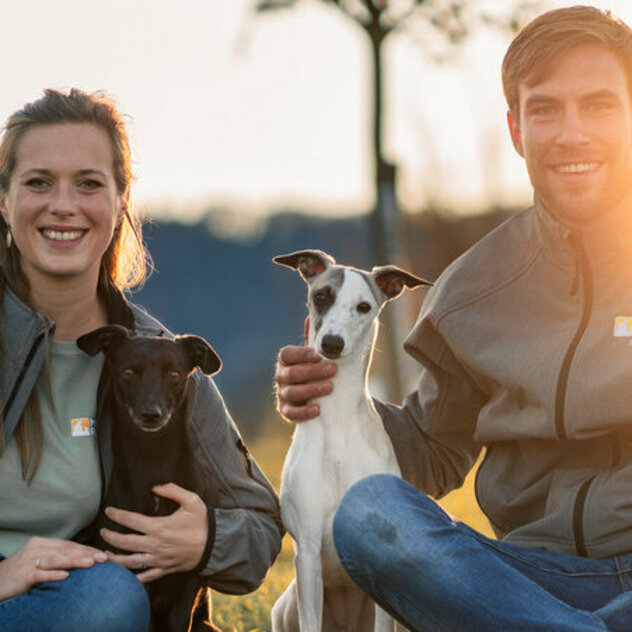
(575, 133)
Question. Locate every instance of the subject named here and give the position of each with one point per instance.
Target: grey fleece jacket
(525, 349)
(245, 528)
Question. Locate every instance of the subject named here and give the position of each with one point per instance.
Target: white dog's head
(344, 302)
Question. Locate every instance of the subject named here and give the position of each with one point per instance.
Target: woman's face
(62, 203)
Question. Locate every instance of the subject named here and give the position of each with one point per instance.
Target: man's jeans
(103, 598)
(434, 573)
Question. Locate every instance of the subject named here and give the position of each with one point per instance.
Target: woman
(69, 244)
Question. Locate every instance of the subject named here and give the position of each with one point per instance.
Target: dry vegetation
(251, 613)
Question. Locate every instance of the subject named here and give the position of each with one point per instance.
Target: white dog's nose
(332, 346)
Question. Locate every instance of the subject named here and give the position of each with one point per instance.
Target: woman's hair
(541, 42)
(125, 262)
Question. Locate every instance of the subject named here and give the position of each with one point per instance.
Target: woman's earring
(9, 237)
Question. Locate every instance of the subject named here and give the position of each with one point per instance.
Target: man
(524, 348)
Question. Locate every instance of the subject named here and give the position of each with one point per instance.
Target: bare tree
(452, 21)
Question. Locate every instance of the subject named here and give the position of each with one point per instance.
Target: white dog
(331, 452)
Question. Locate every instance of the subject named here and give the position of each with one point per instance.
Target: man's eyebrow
(601, 94)
(540, 99)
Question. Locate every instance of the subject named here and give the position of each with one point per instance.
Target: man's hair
(550, 35)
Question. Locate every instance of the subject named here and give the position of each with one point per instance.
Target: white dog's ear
(309, 263)
(392, 280)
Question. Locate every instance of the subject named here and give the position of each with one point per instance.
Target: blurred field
(251, 613)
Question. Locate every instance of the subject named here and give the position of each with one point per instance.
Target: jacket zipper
(578, 518)
(584, 271)
(562, 384)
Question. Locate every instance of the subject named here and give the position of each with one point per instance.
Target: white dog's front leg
(383, 621)
(309, 582)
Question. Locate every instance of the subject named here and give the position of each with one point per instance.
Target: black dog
(150, 444)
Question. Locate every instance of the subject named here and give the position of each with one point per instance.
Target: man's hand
(43, 560)
(164, 544)
(301, 375)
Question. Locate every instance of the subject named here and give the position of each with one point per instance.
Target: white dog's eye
(364, 307)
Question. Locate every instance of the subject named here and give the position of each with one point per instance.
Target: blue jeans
(434, 573)
(103, 598)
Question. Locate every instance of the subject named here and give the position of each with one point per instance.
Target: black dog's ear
(391, 280)
(200, 354)
(102, 339)
(309, 263)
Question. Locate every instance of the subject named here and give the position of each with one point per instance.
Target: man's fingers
(294, 354)
(301, 394)
(304, 373)
(299, 413)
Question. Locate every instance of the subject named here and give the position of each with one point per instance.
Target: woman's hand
(166, 544)
(43, 560)
(301, 375)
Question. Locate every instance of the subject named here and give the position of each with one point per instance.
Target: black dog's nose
(332, 346)
(151, 415)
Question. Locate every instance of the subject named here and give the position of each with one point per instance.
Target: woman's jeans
(103, 598)
(434, 573)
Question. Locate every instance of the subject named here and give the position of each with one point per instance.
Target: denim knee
(362, 511)
(107, 597)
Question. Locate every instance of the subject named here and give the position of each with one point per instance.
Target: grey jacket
(245, 528)
(525, 350)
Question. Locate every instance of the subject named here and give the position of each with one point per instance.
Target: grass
(251, 613)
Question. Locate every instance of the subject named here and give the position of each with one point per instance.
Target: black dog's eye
(128, 374)
(364, 307)
(174, 376)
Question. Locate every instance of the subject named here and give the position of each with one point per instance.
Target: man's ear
(515, 132)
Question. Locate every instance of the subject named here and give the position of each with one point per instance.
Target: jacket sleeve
(433, 430)
(247, 526)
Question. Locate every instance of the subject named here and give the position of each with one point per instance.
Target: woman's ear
(515, 133)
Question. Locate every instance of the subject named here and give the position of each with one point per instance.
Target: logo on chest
(82, 427)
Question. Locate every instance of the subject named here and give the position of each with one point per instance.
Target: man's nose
(572, 129)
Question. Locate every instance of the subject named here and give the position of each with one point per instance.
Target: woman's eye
(90, 185)
(36, 183)
(364, 307)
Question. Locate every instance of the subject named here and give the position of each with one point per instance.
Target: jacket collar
(605, 240)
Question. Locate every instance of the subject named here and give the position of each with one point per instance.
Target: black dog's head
(150, 374)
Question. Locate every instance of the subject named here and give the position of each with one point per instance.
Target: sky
(265, 112)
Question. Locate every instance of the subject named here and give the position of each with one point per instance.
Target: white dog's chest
(321, 466)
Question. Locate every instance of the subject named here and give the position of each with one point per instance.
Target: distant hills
(229, 291)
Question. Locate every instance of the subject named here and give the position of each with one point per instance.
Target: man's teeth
(577, 167)
(66, 235)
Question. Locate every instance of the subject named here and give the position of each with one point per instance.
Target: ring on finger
(38, 563)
